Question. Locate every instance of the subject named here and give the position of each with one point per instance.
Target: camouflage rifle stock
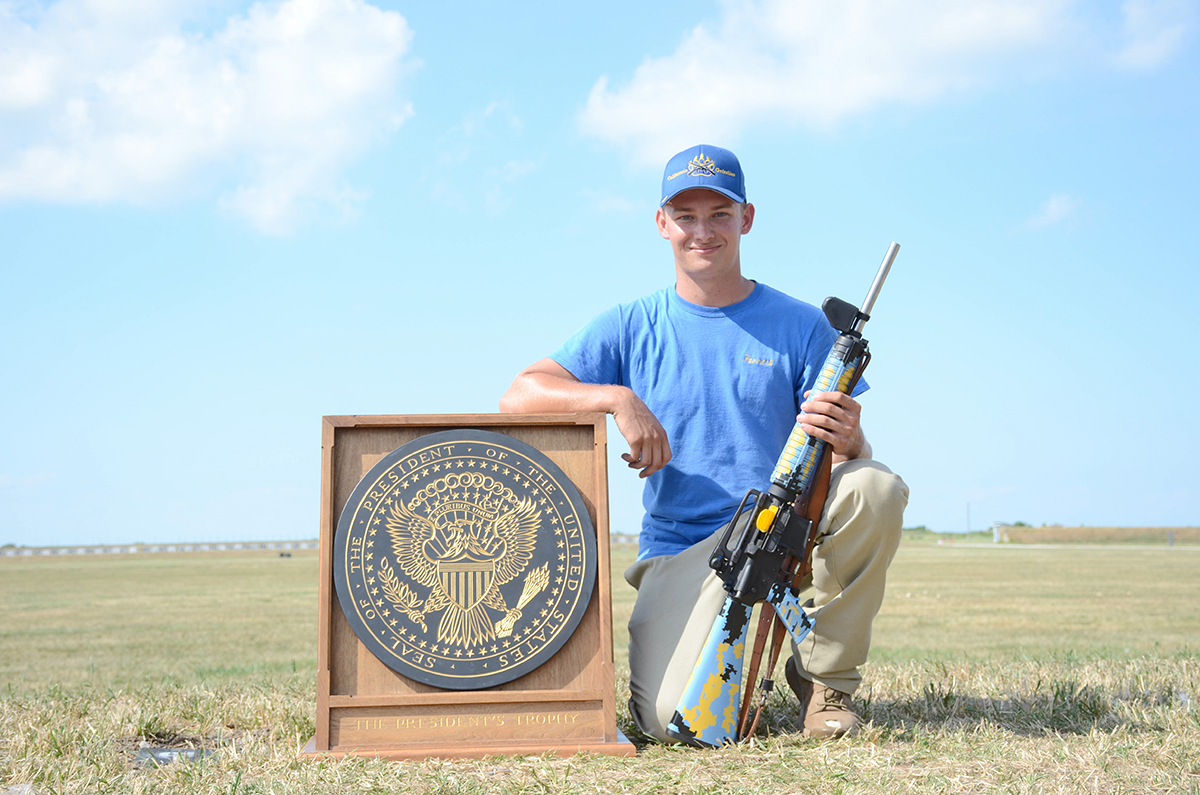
(773, 540)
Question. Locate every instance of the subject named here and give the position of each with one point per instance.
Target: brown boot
(826, 712)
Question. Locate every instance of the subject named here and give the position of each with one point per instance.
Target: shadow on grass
(1065, 695)
(1066, 708)
(1052, 707)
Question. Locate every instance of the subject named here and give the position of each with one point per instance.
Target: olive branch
(400, 594)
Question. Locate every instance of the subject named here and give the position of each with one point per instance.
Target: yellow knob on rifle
(766, 517)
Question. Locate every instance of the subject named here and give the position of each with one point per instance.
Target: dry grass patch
(996, 671)
(1034, 726)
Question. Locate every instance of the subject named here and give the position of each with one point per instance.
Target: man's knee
(866, 493)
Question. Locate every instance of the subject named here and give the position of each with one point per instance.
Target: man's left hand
(834, 418)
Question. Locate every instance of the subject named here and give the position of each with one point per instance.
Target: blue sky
(222, 221)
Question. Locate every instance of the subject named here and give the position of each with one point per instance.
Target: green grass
(993, 670)
(1008, 602)
(118, 619)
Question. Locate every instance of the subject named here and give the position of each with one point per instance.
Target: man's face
(705, 230)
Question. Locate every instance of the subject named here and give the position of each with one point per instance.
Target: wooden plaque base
(565, 706)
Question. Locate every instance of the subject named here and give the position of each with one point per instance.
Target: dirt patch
(1056, 534)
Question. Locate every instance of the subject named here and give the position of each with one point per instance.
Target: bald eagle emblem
(461, 537)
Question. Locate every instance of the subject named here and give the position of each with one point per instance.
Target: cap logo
(701, 166)
(704, 166)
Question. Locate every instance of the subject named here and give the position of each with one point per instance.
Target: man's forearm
(547, 386)
(863, 452)
(535, 393)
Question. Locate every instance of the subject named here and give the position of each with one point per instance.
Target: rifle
(769, 560)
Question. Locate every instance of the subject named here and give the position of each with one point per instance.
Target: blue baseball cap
(704, 166)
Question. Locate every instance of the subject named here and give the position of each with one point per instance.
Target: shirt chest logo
(748, 359)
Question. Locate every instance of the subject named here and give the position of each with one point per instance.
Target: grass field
(994, 669)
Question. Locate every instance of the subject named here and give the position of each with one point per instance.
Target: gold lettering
(428, 723)
(539, 477)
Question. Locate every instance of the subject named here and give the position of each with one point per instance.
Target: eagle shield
(466, 580)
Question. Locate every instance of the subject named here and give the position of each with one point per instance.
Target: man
(704, 380)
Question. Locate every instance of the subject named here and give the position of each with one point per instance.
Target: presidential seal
(464, 559)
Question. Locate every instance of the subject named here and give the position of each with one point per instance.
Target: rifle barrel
(869, 302)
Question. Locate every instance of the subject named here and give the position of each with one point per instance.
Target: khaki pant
(679, 596)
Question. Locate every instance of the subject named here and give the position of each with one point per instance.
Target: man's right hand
(649, 449)
(547, 386)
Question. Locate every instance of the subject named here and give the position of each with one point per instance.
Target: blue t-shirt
(725, 382)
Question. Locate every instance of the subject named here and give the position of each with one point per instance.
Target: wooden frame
(565, 706)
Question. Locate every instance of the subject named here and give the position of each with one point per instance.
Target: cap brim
(724, 192)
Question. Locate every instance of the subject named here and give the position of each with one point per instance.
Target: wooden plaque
(565, 706)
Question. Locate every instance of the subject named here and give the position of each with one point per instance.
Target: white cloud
(469, 167)
(812, 63)
(477, 122)
(116, 101)
(1055, 209)
(806, 62)
(1153, 30)
(497, 199)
